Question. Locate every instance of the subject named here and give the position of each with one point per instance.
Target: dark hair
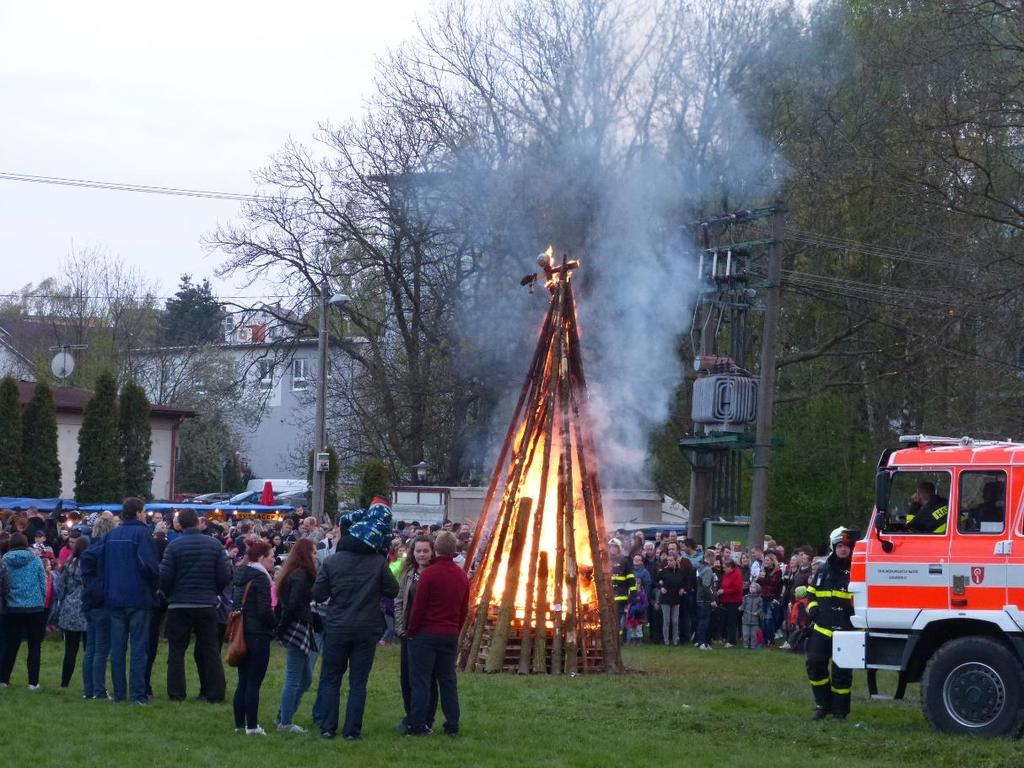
(131, 507)
(18, 541)
(81, 544)
(256, 550)
(302, 556)
(187, 518)
(690, 543)
(410, 561)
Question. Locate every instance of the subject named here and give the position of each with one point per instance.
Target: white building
(70, 403)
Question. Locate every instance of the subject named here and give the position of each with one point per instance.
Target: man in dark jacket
(354, 579)
(193, 572)
(130, 574)
(437, 616)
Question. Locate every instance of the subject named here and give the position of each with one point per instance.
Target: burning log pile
(540, 596)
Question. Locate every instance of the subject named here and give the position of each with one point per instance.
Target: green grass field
(678, 706)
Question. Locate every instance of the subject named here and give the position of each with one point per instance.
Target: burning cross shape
(546, 261)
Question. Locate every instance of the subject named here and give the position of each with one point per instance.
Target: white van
(285, 485)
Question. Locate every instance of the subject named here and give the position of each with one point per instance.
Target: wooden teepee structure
(540, 595)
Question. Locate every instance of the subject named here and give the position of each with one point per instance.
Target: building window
(266, 369)
(300, 373)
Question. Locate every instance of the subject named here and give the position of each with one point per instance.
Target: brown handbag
(235, 633)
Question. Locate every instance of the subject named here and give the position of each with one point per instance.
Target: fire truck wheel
(973, 685)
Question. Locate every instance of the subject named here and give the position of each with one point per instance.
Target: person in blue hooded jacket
(131, 574)
(24, 617)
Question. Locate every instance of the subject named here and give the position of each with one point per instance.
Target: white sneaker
(3, 685)
(786, 646)
(728, 645)
(290, 728)
(33, 687)
(705, 647)
(257, 731)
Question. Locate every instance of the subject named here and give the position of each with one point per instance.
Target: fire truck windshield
(918, 503)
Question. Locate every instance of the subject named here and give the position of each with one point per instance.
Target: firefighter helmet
(842, 535)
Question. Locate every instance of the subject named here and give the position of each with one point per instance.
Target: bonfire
(540, 594)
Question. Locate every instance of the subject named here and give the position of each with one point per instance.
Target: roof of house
(74, 400)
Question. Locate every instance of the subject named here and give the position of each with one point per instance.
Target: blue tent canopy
(45, 505)
(163, 507)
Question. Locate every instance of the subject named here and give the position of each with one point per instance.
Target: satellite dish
(62, 365)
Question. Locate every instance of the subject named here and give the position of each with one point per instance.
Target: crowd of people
(114, 585)
(671, 591)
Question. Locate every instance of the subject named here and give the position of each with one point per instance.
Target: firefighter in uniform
(830, 608)
(623, 580)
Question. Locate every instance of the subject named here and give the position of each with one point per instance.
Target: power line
(78, 297)
(150, 189)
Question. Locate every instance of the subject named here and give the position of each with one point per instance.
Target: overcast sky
(191, 94)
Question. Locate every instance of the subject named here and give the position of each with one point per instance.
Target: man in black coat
(193, 573)
(354, 579)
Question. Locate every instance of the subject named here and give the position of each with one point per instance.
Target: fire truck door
(977, 561)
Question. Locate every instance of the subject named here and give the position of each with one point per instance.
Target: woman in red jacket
(730, 597)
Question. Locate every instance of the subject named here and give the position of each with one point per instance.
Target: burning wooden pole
(541, 589)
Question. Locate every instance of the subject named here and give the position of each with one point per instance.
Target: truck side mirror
(883, 481)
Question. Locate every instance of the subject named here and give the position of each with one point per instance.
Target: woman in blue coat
(25, 617)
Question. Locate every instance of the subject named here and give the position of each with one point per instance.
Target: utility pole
(320, 445)
(702, 463)
(320, 457)
(766, 386)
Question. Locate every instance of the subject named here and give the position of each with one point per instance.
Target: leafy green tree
(205, 445)
(41, 473)
(375, 481)
(821, 477)
(192, 316)
(235, 475)
(10, 438)
(330, 481)
(99, 475)
(135, 440)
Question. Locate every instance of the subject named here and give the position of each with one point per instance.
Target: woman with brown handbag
(251, 596)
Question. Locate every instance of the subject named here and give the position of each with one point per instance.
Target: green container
(733, 533)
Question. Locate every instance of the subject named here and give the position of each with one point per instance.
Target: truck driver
(928, 512)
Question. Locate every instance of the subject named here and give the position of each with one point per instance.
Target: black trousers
(179, 627)
(432, 660)
(731, 620)
(18, 627)
(72, 641)
(156, 621)
(831, 693)
(250, 678)
(405, 678)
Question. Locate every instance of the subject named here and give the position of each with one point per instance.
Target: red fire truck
(938, 582)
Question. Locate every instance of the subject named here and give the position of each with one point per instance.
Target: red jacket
(442, 600)
(732, 587)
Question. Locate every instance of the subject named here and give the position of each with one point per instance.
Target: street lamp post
(320, 448)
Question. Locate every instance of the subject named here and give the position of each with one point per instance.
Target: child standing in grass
(751, 615)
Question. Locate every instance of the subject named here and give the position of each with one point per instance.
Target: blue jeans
(298, 674)
(343, 652)
(768, 620)
(432, 658)
(703, 623)
(97, 651)
(129, 624)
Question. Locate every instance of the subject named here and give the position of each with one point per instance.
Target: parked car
(294, 499)
(211, 498)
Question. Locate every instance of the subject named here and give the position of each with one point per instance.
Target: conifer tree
(10, 438)
(98, 473)
(40, 463)
(135, 440)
